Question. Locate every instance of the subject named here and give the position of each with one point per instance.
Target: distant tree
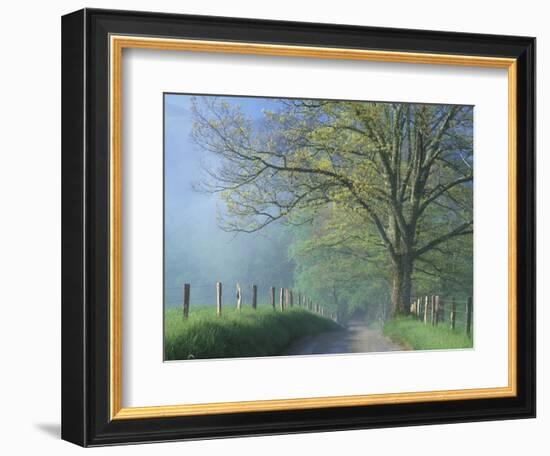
(404, 169)
(340, 263)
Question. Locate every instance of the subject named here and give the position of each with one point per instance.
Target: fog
(196, 250)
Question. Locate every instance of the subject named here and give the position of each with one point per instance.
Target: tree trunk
(401, 285)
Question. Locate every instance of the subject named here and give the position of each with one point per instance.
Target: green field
(261, 332)
(416, 335)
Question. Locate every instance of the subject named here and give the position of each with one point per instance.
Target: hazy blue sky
(183, 158)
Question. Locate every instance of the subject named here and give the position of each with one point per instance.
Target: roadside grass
(416, 335)
(261, 332)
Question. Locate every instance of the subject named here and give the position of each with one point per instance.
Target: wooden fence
(287, 299)
(434, 310)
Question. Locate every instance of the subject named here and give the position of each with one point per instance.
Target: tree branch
(458, 231)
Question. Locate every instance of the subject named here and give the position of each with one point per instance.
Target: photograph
(298, 226)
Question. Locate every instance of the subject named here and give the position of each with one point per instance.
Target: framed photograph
(278, 227)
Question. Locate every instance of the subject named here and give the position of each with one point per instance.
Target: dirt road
(357, 338)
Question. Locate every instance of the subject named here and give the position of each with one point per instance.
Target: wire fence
(279, 298)
(435, 310)
(203, 294)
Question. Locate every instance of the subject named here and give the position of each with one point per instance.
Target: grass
(416, 335)
(261, 332)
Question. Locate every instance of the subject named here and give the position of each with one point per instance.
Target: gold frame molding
(117, 44)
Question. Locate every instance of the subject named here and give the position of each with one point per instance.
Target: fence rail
(434, 310)
(286, 300)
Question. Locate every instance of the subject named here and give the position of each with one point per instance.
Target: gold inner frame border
(116, 46)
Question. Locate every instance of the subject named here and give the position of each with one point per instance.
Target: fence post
(239, 296)
(254, 296)
(432, 307)
(219, 299)
(469, 316)
(291, 298)
(272, 292)
(426, 311)
(453, 313)
(419, 308)
(186, 293)
(281, 303)
(440, 310)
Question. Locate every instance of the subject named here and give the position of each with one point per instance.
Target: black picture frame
(85, 225)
